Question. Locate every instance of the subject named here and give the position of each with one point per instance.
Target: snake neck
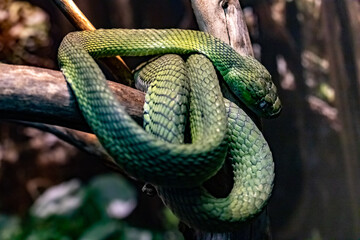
(246, 77)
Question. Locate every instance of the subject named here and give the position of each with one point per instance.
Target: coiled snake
(218, 127)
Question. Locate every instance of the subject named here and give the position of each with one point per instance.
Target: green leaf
(61, 200)
(114, 195)
(9, 227)
(103, 231)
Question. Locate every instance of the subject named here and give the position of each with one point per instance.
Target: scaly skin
(144, 156)
(140, 154)
(246, 77)
(248, 151)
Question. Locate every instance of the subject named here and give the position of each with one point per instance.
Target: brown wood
(116, 65)
(224, 19)
(42, 95)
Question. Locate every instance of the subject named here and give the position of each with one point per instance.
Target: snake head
(269, 106)
(267, 102)
(251, 83)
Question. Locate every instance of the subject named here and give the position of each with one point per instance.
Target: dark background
(304, 44)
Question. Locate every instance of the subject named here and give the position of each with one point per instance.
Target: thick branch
(224, 19)
(41, 95)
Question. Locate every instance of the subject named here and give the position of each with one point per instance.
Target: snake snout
(270, 105)
(271, 109)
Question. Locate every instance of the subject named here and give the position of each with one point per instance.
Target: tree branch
(115, 65)
(42, 95)
(224, 19)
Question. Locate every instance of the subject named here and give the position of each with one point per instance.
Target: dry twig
(116, 65)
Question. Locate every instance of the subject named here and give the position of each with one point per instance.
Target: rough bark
(224, 19)
(42, 95)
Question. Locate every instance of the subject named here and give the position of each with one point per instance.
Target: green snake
(218, 127)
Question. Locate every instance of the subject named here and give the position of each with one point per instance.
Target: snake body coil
(175, 163)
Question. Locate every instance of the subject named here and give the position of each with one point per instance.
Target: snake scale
(219, 129)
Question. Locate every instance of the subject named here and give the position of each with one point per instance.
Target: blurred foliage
(71, 210)
(31, 161)
(24, 34)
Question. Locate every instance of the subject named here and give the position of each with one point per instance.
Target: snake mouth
(276, 109)
(269, 109)
(270, 105)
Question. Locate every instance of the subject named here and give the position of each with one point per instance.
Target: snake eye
(263, 104)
